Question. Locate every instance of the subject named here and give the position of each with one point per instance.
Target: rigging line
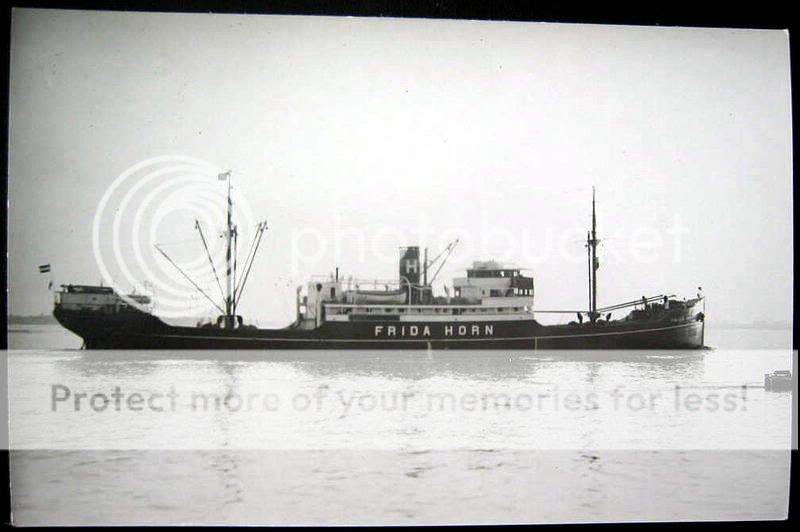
(240, 289)
(447, 250)
(436, 258)
(261, 228)
(249, 253)
(257, 242)
(187, 277)
(589, 270)
(235, 263)
(210, 261)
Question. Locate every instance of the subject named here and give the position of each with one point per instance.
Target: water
(516, 439)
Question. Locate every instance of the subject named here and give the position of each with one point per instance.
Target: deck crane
(444, 255)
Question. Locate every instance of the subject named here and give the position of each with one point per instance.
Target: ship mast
(589, 268)
(229, 319)
(591, 244)
(234, 284)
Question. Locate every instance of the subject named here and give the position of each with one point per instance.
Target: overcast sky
(416, 132)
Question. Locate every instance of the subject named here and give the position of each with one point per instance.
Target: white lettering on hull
(443, 331)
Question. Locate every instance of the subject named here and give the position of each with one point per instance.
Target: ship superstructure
(489, 292)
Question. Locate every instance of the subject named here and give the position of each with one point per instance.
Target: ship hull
(144, 331)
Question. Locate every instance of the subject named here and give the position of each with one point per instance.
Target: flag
(44, 268)
(224, 176)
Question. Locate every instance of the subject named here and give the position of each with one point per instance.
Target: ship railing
(86, 289)
(609, 308)
(537, 311)
(635, 302)
(342, 306)
(373, 285)
(467, 306)
(345, 308)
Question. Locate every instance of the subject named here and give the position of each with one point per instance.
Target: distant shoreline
(41, 319)
(776, 326)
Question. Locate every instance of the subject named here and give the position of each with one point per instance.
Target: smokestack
(410, 266)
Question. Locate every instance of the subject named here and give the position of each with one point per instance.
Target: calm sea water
(406, 438)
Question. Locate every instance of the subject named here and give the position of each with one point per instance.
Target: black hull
(137, 330)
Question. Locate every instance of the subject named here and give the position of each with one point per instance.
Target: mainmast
(591, 243)
(589, 268)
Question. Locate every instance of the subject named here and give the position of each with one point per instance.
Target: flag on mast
(224, 176)
(44, 268)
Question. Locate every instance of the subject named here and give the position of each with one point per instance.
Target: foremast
(230, 311)
(234, 287)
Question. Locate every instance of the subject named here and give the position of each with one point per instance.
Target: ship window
(333, 292)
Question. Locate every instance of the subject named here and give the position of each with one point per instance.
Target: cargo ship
(490, 307)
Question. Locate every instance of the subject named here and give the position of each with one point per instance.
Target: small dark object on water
(778, 380)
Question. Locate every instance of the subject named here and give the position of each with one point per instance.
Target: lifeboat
(384, 297)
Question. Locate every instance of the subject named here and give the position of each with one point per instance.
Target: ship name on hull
(440, 331)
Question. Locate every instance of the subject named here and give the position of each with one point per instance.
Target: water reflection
(228, 470)
(396, 399)
(404, 364)
(92, 365)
